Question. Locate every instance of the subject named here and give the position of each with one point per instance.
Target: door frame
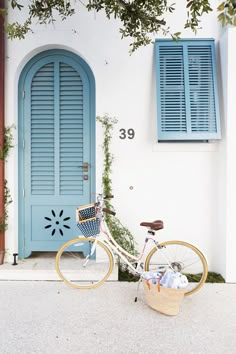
(22, 248)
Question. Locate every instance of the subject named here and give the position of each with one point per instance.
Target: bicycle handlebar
(109, 211)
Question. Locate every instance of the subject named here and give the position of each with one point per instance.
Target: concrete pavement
(51, 318)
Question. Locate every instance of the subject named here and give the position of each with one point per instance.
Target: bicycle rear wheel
(182, 257)
(84, 262)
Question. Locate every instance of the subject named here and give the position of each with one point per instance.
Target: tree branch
(153, 19)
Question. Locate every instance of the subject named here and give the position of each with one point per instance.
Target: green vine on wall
(4, 152)
(7, 201)
(120, 233)
(8, 142)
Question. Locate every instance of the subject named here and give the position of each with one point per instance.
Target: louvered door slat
(71, 131)
(42, 131)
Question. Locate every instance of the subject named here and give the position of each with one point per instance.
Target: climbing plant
(4, 153)
(120, 233)
(8, 142)
(7, 201)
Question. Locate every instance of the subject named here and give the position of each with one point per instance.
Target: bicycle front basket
(87, 221)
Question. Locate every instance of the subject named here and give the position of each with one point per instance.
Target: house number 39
(124, 134)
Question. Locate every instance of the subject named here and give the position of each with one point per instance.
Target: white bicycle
(87, 261)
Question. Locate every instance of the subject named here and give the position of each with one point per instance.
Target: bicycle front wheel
(84, 262)
(182, 257)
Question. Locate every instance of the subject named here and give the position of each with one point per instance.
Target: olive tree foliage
(138, 18)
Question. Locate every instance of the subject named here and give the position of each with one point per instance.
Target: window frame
(189, 134)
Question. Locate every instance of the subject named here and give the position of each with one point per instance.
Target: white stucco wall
(228, 157)
(178, 183)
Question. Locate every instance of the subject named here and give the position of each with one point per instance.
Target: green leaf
(15, 4)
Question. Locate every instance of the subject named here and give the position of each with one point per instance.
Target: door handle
(85, 166)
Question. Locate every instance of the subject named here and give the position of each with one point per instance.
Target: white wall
(228, 155)
(174, 182)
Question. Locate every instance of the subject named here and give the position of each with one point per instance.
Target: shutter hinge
(23, 192)
(23, 94)
(23, 143)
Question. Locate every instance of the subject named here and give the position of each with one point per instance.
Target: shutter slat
(201, 88)
(172, 89)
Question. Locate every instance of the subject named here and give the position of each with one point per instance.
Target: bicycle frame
(106, 238)
(103, 250)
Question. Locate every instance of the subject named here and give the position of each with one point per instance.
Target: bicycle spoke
(88, 266)
(181, 257)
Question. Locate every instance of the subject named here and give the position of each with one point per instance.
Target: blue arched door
(56, 148)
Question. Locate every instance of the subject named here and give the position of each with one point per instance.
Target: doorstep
(40, 266)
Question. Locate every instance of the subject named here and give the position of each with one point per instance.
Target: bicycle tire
(74, 270)
(186, 259)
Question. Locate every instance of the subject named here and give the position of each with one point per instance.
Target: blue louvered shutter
(187, 98)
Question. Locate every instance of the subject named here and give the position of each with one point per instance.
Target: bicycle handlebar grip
(108, 196)
(109, 211)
